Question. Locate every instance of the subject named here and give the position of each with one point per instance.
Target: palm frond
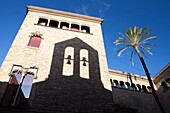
(148, 39)
(143, 53)
(126, 37)
(123, 49)
(146, 44)
(142, 33)
(131, 56)
(121, 41)
(137, 38)
(146, 49)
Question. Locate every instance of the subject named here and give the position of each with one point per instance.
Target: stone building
(54, 65)
(162, 82)
(57, 64)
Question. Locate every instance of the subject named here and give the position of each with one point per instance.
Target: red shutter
(35, 42)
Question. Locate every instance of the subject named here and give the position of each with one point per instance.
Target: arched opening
(85, 29)
(111, 81)
(122, 85)
(84, 64)
(68, 61)
(116, 84)
(53, 23)
(144, 89)
(164, 85)
(35, 41)
(74, 27)
(42, 21)
(133, 87)
(168, 81)
(64, 25)
(149, 89)
(139, 87)
(128, 85)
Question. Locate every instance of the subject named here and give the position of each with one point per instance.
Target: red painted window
(35, 41)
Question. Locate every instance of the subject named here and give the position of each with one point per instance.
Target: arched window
(35, 41)
(139, 87)
(144, 88)
(68, 61)
(85, 29)
(128, 86)
(164, 85)
(122, 85)
(111, 81)
(133, 87)
(168, 81)
(149, 89)
(116, 84)
(74, 27)
(84, 64)
(54, 23)
(64, 25)
(42, 21)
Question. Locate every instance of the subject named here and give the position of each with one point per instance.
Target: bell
(68, 62)
(84, 63)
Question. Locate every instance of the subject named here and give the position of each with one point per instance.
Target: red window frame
(35, 41)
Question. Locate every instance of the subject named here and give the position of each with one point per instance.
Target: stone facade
(137, 96)
(61, 82)
(68, 71)
(162, 82)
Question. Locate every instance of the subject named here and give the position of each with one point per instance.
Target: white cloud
(98, 7)
(105, 6)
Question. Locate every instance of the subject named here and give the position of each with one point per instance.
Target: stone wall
(141, 102)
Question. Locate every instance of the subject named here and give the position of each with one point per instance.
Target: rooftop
(64, 14)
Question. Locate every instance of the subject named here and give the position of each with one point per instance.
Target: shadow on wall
(70, 92)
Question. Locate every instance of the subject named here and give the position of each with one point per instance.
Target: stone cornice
(159, 76)
(126, 74)
(64, 14)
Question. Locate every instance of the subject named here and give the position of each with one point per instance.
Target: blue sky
(118, 15)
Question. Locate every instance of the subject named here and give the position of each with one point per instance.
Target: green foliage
(136, 38)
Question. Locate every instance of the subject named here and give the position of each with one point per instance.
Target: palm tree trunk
(150, 81)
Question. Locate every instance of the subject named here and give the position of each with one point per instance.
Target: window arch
(42, 21)
(164, 85)
(139, 87)
(68, 61)
(116, 84)
(168, 81)
(84, 64)
(133, 87)
(74, 27)
(53, 23)
(35, 41)
(64, 25)
(85, 29)
(144, 89)
(122, 85)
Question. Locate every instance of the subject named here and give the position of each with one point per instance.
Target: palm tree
(138, 40)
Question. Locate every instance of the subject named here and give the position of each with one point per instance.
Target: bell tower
(58, 59)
